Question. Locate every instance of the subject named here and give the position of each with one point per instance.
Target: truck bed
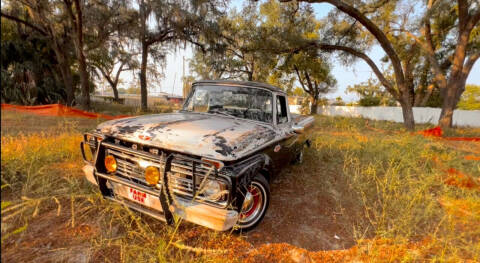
(303, 120)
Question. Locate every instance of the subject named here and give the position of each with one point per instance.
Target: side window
(282, 116)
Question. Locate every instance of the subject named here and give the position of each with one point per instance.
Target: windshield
(242, 102)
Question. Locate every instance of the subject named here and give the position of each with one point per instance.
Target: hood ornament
(144, 137)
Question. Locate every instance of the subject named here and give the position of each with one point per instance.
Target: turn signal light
(110, 163)
(217, 164)
(152, 175)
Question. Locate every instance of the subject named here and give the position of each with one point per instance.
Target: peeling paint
(222, 137)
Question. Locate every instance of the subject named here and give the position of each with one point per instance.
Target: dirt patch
(51, 238)
(306, 212)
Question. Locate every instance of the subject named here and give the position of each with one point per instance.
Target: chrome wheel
(300, 157)
(254, 205)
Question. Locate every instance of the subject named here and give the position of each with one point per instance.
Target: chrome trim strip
(139, 208)
(153, 157)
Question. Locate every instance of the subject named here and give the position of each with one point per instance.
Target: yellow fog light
(152, 175)
(110, 163)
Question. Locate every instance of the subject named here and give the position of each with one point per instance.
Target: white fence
(134, 100)
(421, 114)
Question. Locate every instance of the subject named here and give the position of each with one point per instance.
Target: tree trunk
(314, 106)
(66, 73)
(250, 76)
(84, 78)
(115, 92)
(446, 115)
(450, 101)
(407, 111)
(67, 82)
(143, 77)
(422, 99)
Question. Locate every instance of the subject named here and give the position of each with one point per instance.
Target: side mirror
(298, 128)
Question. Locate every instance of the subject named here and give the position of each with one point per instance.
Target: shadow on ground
(308, 208)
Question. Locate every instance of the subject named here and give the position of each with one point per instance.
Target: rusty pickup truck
(210, 163)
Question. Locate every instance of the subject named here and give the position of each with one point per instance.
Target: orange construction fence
(60, 110)
(438, 132)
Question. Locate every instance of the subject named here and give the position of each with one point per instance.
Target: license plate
(138, 196)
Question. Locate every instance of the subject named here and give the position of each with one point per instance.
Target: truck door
(284, 150)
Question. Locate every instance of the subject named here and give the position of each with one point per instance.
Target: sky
(346, 75)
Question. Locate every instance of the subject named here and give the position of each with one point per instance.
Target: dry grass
(371, 183)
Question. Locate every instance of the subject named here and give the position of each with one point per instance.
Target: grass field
(367, 191)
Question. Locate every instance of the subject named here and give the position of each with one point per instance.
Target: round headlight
(110, 163)
(152, 175)
(212, 190)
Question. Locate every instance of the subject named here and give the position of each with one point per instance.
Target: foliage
(470, 99)
(371, 94)
(133, 90)
(249, 43)
(28, 74)
(235, 53)
(338, 102)
(313, 73)
(298, 92)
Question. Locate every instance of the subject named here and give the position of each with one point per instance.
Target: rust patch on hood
(214, 136)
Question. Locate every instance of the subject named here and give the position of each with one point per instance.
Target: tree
(176, 21)
(28, 72)
(451, 25)
(75, 13)
(52, 26)
(112, 59)
(122, 63)
(347, 43)
(314, 76)
(73, 28)
(371, 94)
(247, 50)
(235, 53)
(298, 92)
(470, 99)
(338, 101)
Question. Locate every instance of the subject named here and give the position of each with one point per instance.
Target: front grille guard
(195, 163)
(166, 199)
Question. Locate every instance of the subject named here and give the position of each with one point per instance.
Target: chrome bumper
(88, 170)
(205, 215)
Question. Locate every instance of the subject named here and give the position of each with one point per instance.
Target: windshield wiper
(217, 110)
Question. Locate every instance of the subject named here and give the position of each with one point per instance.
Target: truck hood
(207, 135)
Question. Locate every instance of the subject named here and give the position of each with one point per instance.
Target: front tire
(255, 205)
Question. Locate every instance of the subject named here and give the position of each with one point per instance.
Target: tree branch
(374, 30)
(469, 64)
(120, 69)
(367, 59)
(159, 37)
(21, 21)
(300, 78)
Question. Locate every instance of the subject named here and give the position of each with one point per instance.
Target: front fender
(246, 170)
